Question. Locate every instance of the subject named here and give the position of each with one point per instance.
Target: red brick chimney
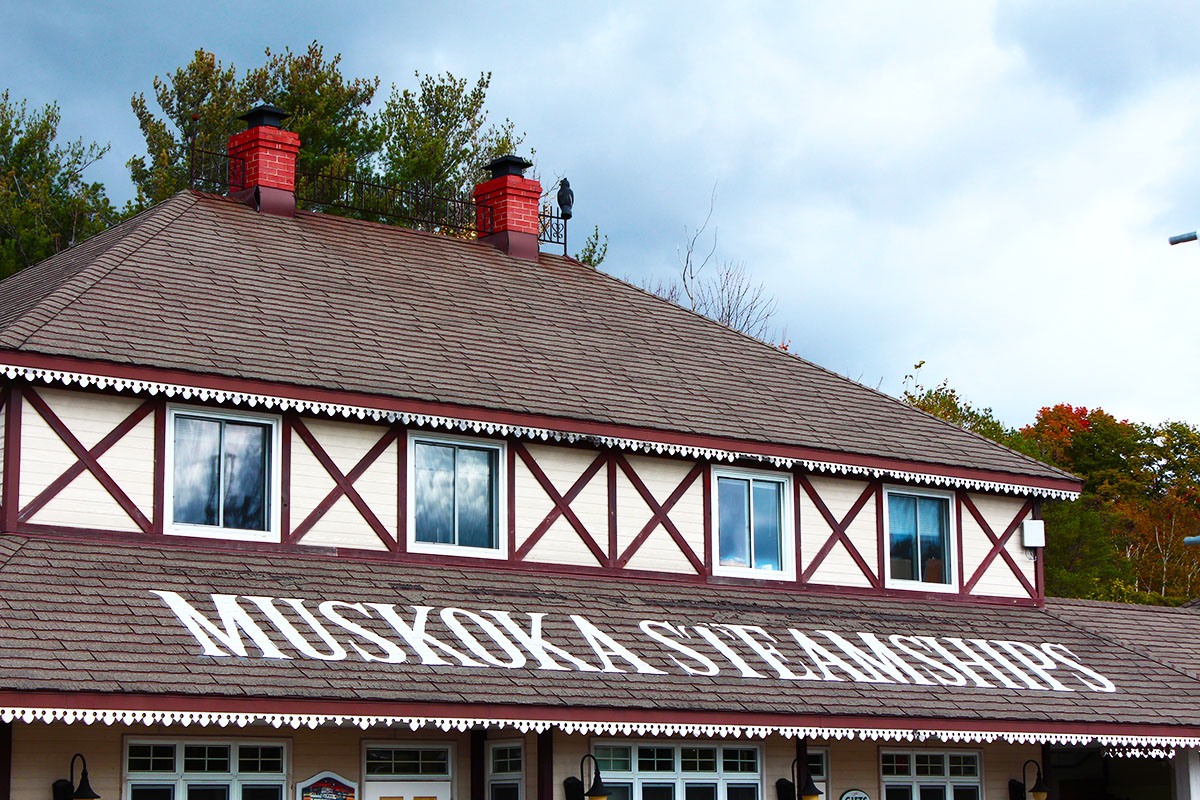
(507, 208)
(262, 163)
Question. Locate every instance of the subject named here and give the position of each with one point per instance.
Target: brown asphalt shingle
(205, 284)
(85, 618)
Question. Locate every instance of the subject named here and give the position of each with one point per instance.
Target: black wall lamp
(65, 789)
(808, 789)
(1039, 790)
(573, 787)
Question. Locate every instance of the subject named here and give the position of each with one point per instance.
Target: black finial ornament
(566, 198)
(266, 114)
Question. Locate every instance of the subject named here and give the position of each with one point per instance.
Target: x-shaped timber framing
(998, 544)
(839, 530)
(343, 483)
(87, 460)
(562, 503)
(659, 513)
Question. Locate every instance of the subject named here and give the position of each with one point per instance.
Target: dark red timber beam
(998, 544)
(839, 529)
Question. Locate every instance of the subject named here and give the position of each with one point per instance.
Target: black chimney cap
(508, 165)
(264, 114)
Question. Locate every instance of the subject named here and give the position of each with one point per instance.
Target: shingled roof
(85, 618)
(205, 284)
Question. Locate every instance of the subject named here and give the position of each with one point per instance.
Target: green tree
(45, 204)
(594, 251)
(204, 98)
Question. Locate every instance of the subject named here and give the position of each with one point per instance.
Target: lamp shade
(85, 790)
(1039, 789)
(810, 790)
(598, 790)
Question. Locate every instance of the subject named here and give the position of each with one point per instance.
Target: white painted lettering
(515, 657)
(943, 674)
(753, 636)
(605, 646)
(825, 659)
(986, 646)
(709, 667)
(974, 659)
(883, 666)
(1068, 659)
(297, 640)
(538, 647)
(1026, 654)
(414, 635)
(709, 636)
(394, 654)
(234, 619)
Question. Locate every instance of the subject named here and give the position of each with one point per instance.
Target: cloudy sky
(987, 187)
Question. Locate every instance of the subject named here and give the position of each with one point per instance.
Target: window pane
(506, 759)
(733, 504)
(897, 793)
(205, 758)
(434, 487)
(197, 459)
(895, 764)
(700, 791)
(260, 758)
(613, 758)
(262, 792)
(964, 766)
(902, 536)
(933, 523)
(207, 792)
(742, 791)
(658, 791)
(408, 761)
(816, 765)
(245, 476)
(475, 497)
(151, 758)
(145, 791)
(768, 514)
(506, 791)
(619, 791)
(698, 759)
(656, 759)
(740, 759)
(933, 793)
(929, 764)
(966, 793)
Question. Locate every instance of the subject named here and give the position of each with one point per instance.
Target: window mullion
(221, 477)
(454, 492)
(750, 524)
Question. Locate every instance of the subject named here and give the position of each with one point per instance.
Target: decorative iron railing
(214, 171)
(552, 227)
(423, 210)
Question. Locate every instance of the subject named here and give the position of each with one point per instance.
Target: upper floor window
(455, 499)
(920, 539)
(222, 474)
(924, 775)
(204, 770)
(754, 524)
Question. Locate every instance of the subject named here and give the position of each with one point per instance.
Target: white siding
(999, 579)
(661, 477)
(342, 525)
(85, 502)
(838, 568)
(561, 544)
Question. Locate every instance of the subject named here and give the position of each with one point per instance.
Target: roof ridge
(87, 276)
(826, 370)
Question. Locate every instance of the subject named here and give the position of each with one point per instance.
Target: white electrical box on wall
(1033, 533)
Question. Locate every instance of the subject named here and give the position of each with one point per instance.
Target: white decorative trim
(177, 391)
(1118, 745)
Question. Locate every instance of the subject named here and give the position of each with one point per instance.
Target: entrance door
(406, 790)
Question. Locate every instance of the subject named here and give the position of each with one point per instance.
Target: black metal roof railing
(214, 171)
(552, 227)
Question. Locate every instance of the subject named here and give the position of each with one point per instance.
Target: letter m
(234, 620)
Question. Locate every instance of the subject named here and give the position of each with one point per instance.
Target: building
(302, 506)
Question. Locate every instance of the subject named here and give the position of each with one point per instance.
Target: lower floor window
(204, 770)
(504, 771)
(818, 768)
(925, 775)
(680, 771)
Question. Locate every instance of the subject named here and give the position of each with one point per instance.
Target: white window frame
(178, 778)
(787, 530)
(678, 777)
(914, 781)
(400, 744)
(500, 551)
(274, 485)
(823, 781)
(505, 777)
(952, 565)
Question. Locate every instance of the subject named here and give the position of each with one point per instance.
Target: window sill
(754, 574)
(920, 586)
(229, 534)
(458, 551)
